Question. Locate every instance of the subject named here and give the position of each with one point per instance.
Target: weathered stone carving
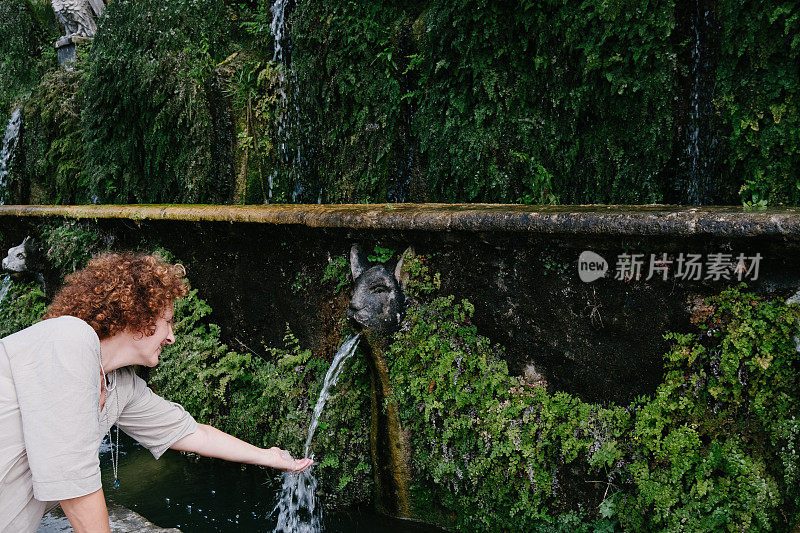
(377, 308)
(26, 259)
(79, 17)
(378, 302)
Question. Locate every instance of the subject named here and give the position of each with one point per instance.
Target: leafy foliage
(350, 59)
(535, 102)
(758, 85)
(69, 244)
(337, 272)
(715, 447)
(149, 126)
(582, 91)
(487, 445)
(713, 441)
(52, 140)
(23, 305)
(25, 50)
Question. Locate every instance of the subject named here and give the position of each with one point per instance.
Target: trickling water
(290, 134)
(9, 148)
(4, 287)
(698, 138)
(297, 508)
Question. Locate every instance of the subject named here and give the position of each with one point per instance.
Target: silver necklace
(114, 455)
(114, 449)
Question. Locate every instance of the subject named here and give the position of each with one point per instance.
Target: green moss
(52, 139)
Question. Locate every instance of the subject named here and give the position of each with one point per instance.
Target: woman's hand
(283, 460)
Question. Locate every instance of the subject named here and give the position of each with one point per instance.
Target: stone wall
(600, 340)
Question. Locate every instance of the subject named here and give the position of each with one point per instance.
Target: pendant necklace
(114, 456)
(114, 448)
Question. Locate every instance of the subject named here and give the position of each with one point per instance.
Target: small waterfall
(4, 286)
(9, 149)
(297, 508)
(699, 141)
(289, 135)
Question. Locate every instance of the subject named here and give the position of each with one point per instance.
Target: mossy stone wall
(529, 101)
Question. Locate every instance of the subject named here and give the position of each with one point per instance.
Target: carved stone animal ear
(399, 274)
(357, 263)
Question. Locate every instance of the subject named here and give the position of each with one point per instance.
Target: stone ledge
(665, 220)
(121, 520)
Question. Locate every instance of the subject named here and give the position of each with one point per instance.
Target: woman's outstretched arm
(211, 442)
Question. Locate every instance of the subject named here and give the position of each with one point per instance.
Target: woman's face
(148, 348)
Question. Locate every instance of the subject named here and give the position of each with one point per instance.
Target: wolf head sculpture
(19, 257)
(378, 302)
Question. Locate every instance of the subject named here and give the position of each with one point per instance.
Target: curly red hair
(120, 291)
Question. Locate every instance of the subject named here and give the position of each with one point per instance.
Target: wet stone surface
(122, 521)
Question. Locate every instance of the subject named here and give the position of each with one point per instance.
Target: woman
(67, 379)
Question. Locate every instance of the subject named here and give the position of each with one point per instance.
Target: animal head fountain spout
(377, 308)
(17, 260)
(26, 260)
(378, 302)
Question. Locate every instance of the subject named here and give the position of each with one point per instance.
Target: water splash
(297, 508)
(10, 140)
(4, 286)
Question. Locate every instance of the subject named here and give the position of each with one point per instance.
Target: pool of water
(197, 494)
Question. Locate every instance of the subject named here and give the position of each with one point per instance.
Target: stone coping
(655, 219)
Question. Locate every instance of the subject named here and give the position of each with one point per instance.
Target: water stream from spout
(297, 508)
(9, 147)
(6, 283)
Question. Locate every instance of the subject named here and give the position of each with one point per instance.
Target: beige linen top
(51, 423)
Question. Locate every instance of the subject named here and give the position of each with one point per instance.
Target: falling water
(288, 114)
(698, 138)
(297, 508)
(9, 148)
(4, 287)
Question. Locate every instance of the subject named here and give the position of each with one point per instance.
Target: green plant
(25, 49)
(23, 305)
(756, 98)
(69, 244)
(149, 116)
(337, 271)
(714, 446)
(52, 139)
(755, 193)
(380, 255)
